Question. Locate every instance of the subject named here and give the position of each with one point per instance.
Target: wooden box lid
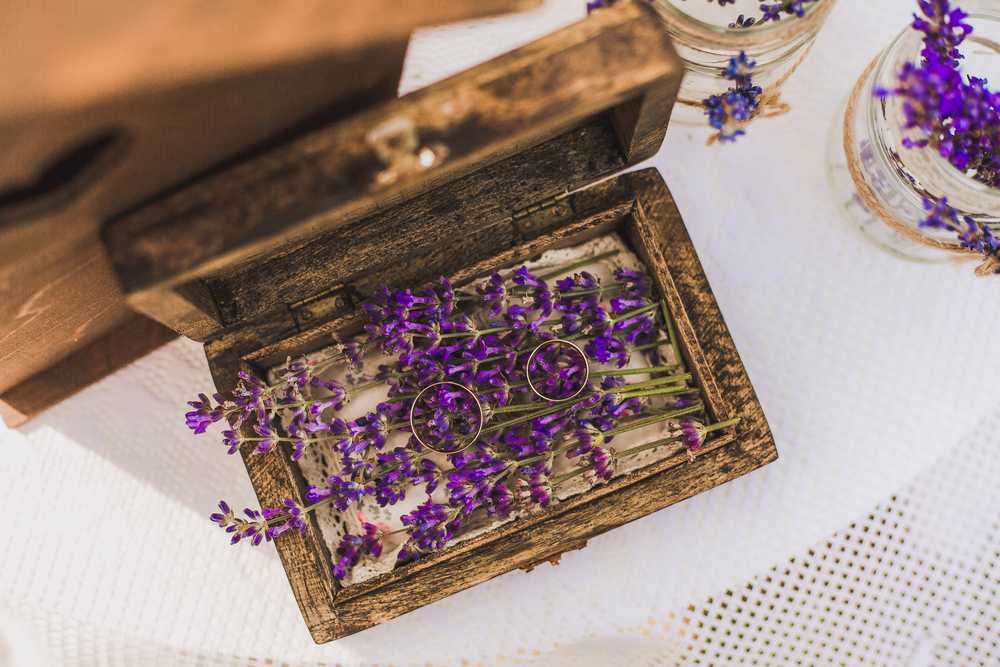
(105, 104)
(558, 114)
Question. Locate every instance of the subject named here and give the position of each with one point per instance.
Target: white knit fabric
(880, 379)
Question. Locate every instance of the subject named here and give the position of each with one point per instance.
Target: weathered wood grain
(83, 368)
(640, 207)
(288, 196)
(481, 200)
(705, 336)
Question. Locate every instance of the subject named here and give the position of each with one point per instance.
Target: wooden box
(483, 170)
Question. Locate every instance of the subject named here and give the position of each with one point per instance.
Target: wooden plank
(516, 544)
(115, 350)
(59, 293)
(639, 205)
(67, 53)
(59, 296)
(331, 177)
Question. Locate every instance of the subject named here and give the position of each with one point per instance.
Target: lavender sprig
(770, 12)
(957, 116)
(440, 333)
(971, 234)
(774, 12)
(729, 111)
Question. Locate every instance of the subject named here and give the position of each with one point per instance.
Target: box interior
(320, 462)
(466, 262)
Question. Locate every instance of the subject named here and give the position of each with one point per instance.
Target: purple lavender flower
(971, 235)
(430, 527)
(291, 513)
(557, 371)
(494, 290)
(943, 29)
(233, 440)
(204, 413)
(450, 414)
(470, 487)
(297, 374)
(607, 349)
(591, 434)
(786, 7)
(352, 546)
(613, 406)
(536, 488)
(960, 118)
(693, 432)
(727, 111)
(743, 22)
(269, 438)
(603, 461)
(541, 296)
(349, 348)
(344, 491)
(226, 517)
(252, 528)
(335, 401)
(740, 70)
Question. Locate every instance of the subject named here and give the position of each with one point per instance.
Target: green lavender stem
(579, 265)
(617, 390)
(671, 334)
(633, 371)
(640, 448)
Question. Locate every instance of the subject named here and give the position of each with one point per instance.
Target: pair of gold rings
(538, 387)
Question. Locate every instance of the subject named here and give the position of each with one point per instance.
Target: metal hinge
(323, 307)
(555, 558)
(530, 220)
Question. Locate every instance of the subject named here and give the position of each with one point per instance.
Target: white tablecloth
(880, 379)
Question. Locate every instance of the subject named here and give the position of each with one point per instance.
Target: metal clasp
(397, 146)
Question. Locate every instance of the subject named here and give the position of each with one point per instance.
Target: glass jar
(706, 44)
(880, 185)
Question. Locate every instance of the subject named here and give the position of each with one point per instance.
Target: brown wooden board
(636, 204)
(181, 259)
(69, 53)
(114, 351)
(62, 174)
(122, 103)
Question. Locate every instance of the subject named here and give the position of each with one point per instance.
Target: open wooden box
(484, 170)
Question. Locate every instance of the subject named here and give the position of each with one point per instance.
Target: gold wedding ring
(563, 343)
(479, 407)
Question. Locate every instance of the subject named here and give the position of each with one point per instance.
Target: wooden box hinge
(555, 558)
(322, 307)
(533, 220)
